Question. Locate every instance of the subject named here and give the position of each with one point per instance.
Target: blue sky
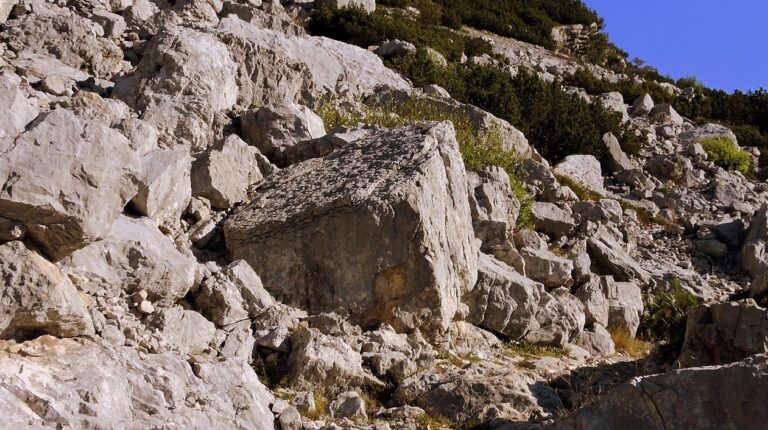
(723, 43)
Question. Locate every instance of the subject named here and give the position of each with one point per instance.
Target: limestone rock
(615, 102)
(164, 185)
(73, 200)
(609, 257)
(318, 360)
(224, 172)
(721, 333)
(666, 114)
(404, 190)
(502, 301)
(348, 405)
(596, 305)
(643, 105)
(134, 256)
(494, 209)
(395, 48)
(675, 167)
(542, 265)
(560, 319)
(616, 160)
(702, 398)
(550, 219)
(184, 78)
(272, 129)
(584, 170)
(36, 298)
(68, 37)
(597, 341)
(625, 305)
(16, 111)
(185, 331)
(704, 132)
(754, 255)
(81, 384)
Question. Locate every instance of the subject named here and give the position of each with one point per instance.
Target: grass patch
(321, 406)
(582, 192)
(666, 314)
(530, 350)
(433, 421)
(479, 150)
(448, 356)
(726, 153)
(632, 346)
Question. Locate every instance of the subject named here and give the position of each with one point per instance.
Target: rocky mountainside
(212, 219)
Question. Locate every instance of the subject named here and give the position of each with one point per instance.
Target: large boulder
(164, 185)
(52, 382)
(402, 190)
(643, 105)
(550, 219)
(273, 129)
(559, 319)
(184, 79)
(503, 301)
(135, 256)
(584, 170)
(721, 333)
(275, 69)
(706, 131)
(67, 180)
(319, 360)
(615, 102)
(36, 298)
(615, 159)
(697, 398)
(625, 305)
(224, 172)
(543, 265)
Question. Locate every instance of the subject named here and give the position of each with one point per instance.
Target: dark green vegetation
(528, 20)
(745, 113)
(556, 122)
(665, 316)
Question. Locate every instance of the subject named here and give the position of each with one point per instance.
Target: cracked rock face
(393, 207)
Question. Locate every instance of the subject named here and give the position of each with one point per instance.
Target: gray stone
(616, 160)
(665, 113)
(494, 210)
(272, 129)
(348, 405)
(418, 258)
(596, 305)
(721, 333)
(643, 105)
(16, 111)
(697, 398)
(597, 341)
(550, 219)
(134, 256)
(615, 102)
(502, 301)
(754, 255)
(609, 257)
(560, 319)
(73, 200)
(36, 298)
(366, 5)
(625, 302)
(164, 185)
(583, 170)
(124, 386)
(395, 48)
(704, 132)
(184, 331)
(542, 265)
(318, 360)
(224, 172)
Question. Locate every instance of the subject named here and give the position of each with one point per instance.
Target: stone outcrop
(404, 191)
(583, 170)
(72, 202)
(692, 398)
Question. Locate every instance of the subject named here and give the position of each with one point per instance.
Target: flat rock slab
(380, 229)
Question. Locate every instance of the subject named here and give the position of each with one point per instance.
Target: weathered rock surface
(502, 301)
(224, 172)
(583, 170)
(403, 190)
(754, 255)
(272, 129)
(82, 384)
(723, 333)
(36, 298)
(164, 185)
(16, 110)
(701, 398)
(73, 201)
(134, 256)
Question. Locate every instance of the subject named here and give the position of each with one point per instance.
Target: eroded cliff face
(184, 244)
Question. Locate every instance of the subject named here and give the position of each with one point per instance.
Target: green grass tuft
(726, 153)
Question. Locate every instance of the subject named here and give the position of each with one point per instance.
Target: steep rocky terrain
(211, 219)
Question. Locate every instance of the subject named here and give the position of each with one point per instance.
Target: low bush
(632, 346)
(665, 315)
(726, 153)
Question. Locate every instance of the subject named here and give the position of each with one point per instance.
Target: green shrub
(665, 315)
(727, 154)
